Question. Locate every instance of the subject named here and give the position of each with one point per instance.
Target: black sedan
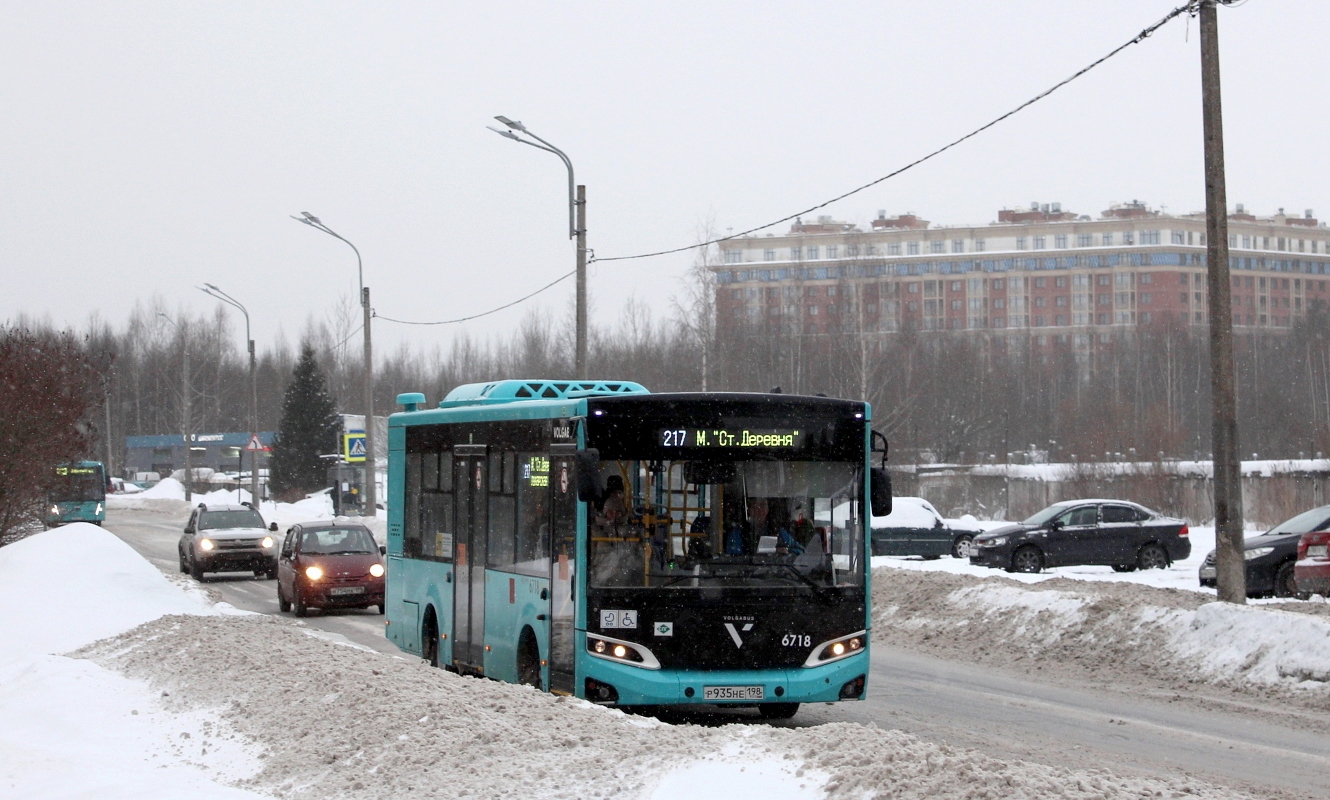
(1115, 533)
(1270, 556)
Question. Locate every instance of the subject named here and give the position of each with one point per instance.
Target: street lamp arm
(360, 264)
(549, 148)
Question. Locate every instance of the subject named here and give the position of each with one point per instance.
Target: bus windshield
(705, 524)
(77, 484)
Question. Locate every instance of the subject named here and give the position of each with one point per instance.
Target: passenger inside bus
(694, 524)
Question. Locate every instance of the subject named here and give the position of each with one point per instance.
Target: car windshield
(337, 542)
(705, 524)
(1306, 522)
(222, 520)
(1048, 513)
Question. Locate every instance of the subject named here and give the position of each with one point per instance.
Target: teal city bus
(78, 494)
(635, 549)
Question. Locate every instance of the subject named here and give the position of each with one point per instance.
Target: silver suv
(228, 538)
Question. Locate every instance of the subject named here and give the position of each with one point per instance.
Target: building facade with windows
(1040, 271)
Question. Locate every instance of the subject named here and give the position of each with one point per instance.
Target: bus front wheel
(778, 710)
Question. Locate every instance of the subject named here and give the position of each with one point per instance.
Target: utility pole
(1229, 564)
(371, 469)
(581, 283)
(213, 291)
(184, 413)
(576, 230)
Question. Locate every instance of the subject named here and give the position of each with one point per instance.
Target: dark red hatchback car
(329, 565)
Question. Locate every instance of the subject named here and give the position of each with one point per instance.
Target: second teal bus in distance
(78, 494)
(593, 539)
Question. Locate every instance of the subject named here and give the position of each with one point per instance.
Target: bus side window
(411, 508)
(532, 476)
(503, 512)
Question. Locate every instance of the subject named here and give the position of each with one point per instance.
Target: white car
(228, 538)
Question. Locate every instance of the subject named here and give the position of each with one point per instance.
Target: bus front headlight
(99, 508)
(621, 652)
(837, 649)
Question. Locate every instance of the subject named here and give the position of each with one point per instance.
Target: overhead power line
(1187, 8)
(557, 280)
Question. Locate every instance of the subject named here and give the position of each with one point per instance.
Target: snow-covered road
(1053, 718)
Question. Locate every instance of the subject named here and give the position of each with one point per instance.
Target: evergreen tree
(309, 428)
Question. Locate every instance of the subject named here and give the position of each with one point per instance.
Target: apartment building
(1041, 271)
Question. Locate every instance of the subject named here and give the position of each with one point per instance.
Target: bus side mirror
(879, 488)
(588, 475)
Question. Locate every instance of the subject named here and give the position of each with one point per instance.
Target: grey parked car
(1115, 533)
(228, 538)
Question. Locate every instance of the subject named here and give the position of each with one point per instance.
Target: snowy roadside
(168, 499)
(185, 699)
(1117, 632)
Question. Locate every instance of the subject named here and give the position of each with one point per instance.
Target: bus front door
(563, 577)
(469, 495)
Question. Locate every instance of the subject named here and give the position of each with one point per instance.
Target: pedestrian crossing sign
(353, 447)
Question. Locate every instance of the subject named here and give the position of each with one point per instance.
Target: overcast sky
(147, 148)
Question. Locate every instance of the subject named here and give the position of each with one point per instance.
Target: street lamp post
(213, 291)
(371, 470)
(184, 404)
(576, 229)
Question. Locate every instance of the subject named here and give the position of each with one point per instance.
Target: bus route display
(729, 438)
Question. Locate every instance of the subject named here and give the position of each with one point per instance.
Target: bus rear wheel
(778, 710)
(528, 660)
(429, 640)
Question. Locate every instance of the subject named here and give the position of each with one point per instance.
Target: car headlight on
(99, 508)
(205, 544)
(376, 570)
(837, 649)
(267, 542)
(1257, 552)
(313, 573)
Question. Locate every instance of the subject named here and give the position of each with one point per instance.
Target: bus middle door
(563, 574)
(470, 496)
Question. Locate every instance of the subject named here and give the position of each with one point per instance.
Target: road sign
(353, 447)
(255, 444)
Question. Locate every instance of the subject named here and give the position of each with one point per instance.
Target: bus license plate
(731, 692)
(343, 590)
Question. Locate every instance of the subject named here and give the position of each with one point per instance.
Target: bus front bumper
(828, 683)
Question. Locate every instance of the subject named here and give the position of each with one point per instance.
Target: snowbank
(336, 721)
(72, 728)
(1259, 645)
(1117, 631)
(215, 705)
